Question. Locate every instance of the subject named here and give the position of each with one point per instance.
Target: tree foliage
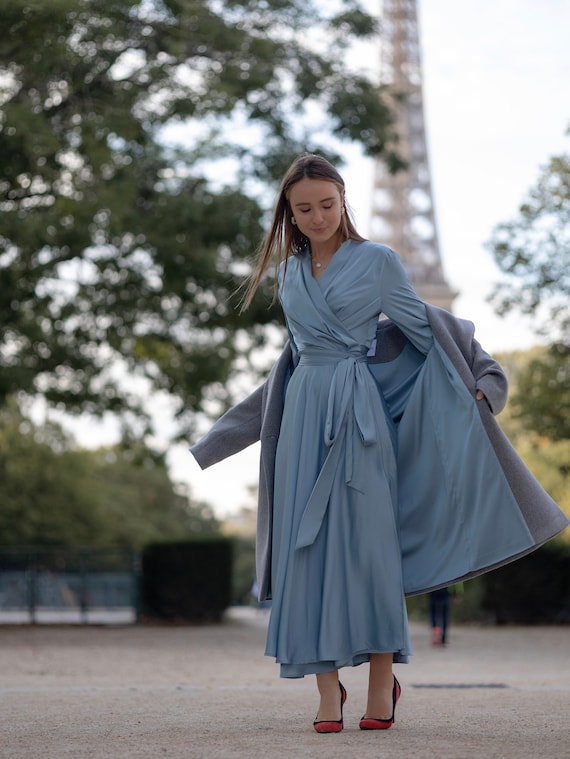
(53, 493)
(119, 252)
(536, 418)
(533, 252)
(542, 397)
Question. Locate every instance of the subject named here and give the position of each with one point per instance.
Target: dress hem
(288, 670)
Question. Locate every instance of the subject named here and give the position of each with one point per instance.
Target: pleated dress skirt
(337, 593)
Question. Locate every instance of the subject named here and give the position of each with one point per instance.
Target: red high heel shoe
(332, 726)
(368, 723)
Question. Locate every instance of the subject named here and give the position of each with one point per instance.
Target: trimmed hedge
(532, 590)
(188, 581)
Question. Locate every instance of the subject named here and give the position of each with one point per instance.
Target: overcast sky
(497, 106)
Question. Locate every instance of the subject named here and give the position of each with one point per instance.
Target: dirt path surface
(209, 693)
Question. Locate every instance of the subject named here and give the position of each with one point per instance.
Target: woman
(348, 535)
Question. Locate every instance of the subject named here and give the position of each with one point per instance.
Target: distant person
(381, 474)
(439, 609)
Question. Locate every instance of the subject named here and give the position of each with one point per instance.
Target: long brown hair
(284, 239)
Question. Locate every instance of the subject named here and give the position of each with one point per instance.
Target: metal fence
(69, 586)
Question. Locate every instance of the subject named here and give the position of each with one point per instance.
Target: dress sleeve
(400, 302)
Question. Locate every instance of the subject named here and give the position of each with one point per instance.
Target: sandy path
(197, 693)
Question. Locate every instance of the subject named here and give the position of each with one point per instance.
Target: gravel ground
(209, 693)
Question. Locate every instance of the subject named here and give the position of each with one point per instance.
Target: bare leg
(329, 691)
(380, 687)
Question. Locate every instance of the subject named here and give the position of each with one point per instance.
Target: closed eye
(325, 208)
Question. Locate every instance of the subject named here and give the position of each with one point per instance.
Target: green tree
(542, 396)
(119, 254)
(43, 489)
(53, 493)
(541, 441)
(138, 500)
(533, 253)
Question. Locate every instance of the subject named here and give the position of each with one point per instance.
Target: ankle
(327, 682)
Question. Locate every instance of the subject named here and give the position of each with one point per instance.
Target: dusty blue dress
(337, 585)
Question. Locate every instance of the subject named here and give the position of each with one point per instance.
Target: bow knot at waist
(349, 425)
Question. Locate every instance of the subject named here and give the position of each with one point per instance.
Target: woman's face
(316, 205)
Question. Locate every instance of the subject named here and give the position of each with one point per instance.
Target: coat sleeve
(257, 416)
(237, 429)
(489, 378)
(476, 367)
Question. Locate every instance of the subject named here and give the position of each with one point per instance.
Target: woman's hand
(479, 395)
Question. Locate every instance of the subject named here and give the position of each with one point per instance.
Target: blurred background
(141, 144)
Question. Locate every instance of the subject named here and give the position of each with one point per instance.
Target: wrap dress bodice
(333, 322)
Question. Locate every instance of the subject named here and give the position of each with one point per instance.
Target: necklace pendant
(318, 266)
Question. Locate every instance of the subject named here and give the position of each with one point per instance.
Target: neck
(327, 249)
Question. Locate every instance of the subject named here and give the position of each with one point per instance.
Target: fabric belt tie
(349, 425)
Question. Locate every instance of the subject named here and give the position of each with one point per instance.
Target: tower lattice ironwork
(403, 214)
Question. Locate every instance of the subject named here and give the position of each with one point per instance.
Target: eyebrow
(307, 203)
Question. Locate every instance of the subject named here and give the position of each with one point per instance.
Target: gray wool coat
(445, 538)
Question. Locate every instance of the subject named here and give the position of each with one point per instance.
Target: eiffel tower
(403, 215)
